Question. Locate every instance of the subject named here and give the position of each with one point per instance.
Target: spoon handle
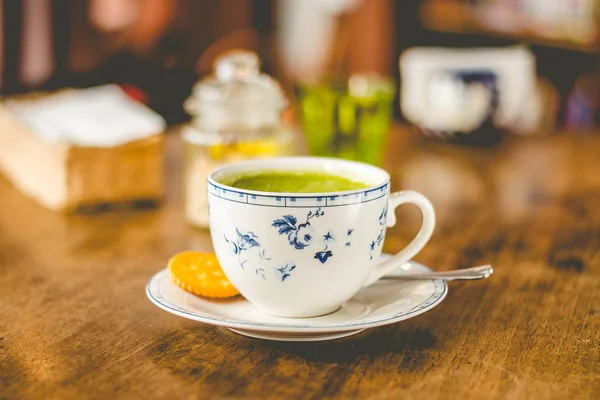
(481, 272)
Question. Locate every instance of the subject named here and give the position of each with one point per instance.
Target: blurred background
(157, 49)
(252, 78)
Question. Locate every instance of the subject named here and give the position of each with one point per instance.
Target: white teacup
(304, 254)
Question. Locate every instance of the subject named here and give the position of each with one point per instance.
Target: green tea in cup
(293, 182)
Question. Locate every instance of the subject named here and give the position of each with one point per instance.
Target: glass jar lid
(237, 85)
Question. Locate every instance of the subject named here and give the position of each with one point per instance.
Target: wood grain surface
(75, 322)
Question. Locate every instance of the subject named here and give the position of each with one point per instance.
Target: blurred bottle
(28, 49)
(236, 115)
(582, 104)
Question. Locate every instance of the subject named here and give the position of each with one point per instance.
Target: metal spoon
(473, 273)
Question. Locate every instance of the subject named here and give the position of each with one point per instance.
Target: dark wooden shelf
(456, 17)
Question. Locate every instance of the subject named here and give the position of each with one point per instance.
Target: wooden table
(75, 322)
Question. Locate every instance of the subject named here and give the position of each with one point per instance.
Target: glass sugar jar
(236, 115)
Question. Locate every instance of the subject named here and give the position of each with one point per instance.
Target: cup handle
(396, 199)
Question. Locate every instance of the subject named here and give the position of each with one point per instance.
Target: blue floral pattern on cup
(299, 235)
(324, 255)
(349, 234)
(285, 271)
(379, 239)
(243, 242)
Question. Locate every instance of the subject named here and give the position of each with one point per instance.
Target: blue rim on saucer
(290, 325)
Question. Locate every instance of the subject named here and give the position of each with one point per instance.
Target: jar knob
(237, 65)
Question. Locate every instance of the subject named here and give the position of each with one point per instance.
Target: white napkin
(102, 116)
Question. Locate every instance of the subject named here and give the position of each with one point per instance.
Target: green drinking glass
(348, 121)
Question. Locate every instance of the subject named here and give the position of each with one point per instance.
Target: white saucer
(309, 337)
(385, 302)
